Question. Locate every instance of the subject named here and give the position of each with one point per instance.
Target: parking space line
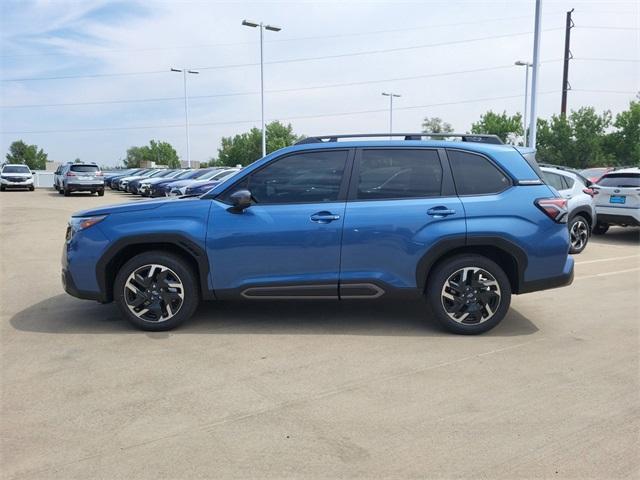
(607, 259)
(604, 274)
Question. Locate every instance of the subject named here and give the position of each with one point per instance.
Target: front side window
(399, 173)
(476, 175)
(310, 177)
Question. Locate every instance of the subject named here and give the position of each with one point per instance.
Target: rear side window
(554, 180)
(399, 173)
(475, 175)
(569, 181)
(310, 177)
(620, 180)
(84, 168)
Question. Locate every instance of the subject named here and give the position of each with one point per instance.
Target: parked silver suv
(79, 177)
(580, 203)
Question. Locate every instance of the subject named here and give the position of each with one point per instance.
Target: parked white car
(580, 203)
(618, 199)
(16, 175)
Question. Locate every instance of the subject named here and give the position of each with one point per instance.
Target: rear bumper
(84, 187)
(562, 280)
(618, 215)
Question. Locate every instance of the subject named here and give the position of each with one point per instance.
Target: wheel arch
(585, 212)
(126, 248)
(505, 253)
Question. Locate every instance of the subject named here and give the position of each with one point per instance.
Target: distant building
(52, 166)
(150, 164)
(185, 164)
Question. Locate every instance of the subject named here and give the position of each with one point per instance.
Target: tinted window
(569, 181)
(16, 169)
(399, 173)
(554, 180)
(475, 175)
(621, 180)
(84, 168)
(311, 177)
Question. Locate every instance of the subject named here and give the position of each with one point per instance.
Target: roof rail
(466, 137)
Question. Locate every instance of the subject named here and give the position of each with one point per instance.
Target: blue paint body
(380, 241)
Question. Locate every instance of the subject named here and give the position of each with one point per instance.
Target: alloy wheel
(154, 293)
(471, 295)
(579, 235)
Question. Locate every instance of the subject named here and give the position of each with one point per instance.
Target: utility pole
(567, 56)
(391, 95)
(534, 76)
(520, 63)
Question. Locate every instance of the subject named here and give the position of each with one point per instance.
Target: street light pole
(390, 95)
(526, 95)
(534, 75)
(262, 26)
(184, 72)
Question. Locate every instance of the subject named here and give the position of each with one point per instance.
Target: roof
(623, 170)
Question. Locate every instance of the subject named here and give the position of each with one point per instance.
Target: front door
(287, 243)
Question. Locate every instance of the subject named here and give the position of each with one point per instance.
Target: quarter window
(554, 180)
(475, 175)
(399, 173)
(310, 177)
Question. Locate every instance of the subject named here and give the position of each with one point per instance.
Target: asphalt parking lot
(313, 390)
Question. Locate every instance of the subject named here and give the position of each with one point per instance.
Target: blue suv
(465, 224)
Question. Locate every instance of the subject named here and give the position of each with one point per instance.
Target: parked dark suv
(464, 223)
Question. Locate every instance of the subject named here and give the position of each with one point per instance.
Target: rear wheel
(67, 192)
(60, 191)
(600, 229)
(468, 294)
(101, 193)
(156, 291)
(578, 233)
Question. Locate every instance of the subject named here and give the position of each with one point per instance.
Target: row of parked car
(154, 182)
(596, 199)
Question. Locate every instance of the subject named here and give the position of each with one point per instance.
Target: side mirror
(240, 200)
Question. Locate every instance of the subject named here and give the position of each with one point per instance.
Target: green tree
(246, 148)
(625, 141)
(504, 126)
(578, 140)
(162, 153)
(436, 125)
(20, 152)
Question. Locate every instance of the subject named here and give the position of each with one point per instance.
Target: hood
(181, 183)
(125, 207)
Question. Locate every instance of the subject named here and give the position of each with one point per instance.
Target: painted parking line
(605, 274)
(607, 259)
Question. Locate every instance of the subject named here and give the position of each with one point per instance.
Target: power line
(298, 117)
(292, 60)
(283, 90)
(279, 40)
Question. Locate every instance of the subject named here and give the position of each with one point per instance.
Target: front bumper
(16, 183)
(70, 287)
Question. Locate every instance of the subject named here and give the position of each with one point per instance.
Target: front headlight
(82, 223)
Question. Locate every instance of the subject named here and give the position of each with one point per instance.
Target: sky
(89, 78)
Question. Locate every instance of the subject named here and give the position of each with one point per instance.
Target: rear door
(401, 202)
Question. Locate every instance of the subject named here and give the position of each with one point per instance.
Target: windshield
(593, 172)
(16, 169)
(620, 180)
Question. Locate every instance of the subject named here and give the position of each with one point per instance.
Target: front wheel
(578, 234)
(156, 291)
(101, 192)
(468, 294)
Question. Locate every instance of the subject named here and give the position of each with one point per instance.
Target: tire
(470, 319)
(101, 193)
(151, 319)
(32, 188)
(3, 188)
(60, 191)
(67, 192)
(600, 229)
(579, 230)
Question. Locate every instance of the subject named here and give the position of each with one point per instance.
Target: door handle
(324, 217)
(440, 212)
